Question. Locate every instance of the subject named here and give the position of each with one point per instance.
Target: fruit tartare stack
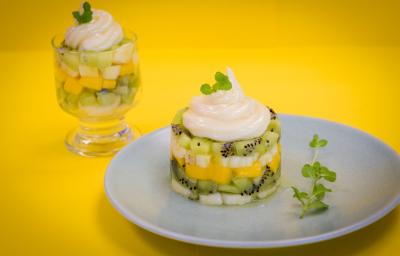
(225, 146)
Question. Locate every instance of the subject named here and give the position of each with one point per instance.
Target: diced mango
(181, 161)
(94, 83)
(109, 84)
(252, 171)
(217, 173)
(60, 75)
(220, 174)
(127, 69)
(72, 86)
(196, 172)
(276, 160)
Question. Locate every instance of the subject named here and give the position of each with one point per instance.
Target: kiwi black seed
(273, 113)
(227, 149)
(177, 129)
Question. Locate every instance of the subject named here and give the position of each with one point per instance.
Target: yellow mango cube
(252, 171)
(127, 69)
(276, 160)
(181, 161)
(196, 172)
(109, 84)
(72, 86)
(60, 75)
(217, 173)
(94, 83)
(220, 174)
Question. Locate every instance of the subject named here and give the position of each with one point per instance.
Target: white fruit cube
(211, 199)
(123, 54)
(111, 73)
(64, 67)
(87, 71)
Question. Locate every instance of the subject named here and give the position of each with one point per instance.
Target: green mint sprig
(222, 83)
(86, 15)
(312, 201)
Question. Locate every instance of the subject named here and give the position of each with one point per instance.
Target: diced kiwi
(206, 187)
(242, 183)
(274, 126)
(178, 116)
(122, 90)
(229, 189)
(261, 148)
(219, 149)
(127, 94)
(270, 138)
(184, 140)
(200, 146)
(68, 100)
(216, 148)
(246, 147)
(97, 59)
(181, 177)
(87, 98)
(269, 179)
(106, 98)
(123, 80)
(71, 59)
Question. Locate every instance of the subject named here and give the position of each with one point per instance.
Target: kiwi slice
(200, 146)
(179, 174)
(178, 117)
(71, 59)
(242, 183)
(184, 140)
(106, 98)
(222, 149)
(268, 179)
(274, 126)
(97, 59)
(229, 189)
(177, 129)
(206, 187)
(273, 113)
(270, 138)
(246, 147)
(88, 98)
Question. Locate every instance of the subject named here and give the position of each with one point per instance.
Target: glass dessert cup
(98, 88)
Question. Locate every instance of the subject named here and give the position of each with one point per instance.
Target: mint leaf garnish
(86, 15)
(315, 171)
(222, 83)
(206, 89)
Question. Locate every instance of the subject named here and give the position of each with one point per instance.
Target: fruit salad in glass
(225, 147)
(97, 80)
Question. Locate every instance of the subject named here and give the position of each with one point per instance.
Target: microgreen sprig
(312, 201)
(86, 15)
(222, 83)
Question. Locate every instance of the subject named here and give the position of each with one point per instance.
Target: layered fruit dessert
(96, 66)
(225, 146)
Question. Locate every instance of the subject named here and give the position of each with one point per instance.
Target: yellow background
(337, 60)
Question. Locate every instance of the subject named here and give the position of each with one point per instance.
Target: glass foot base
(100, 139)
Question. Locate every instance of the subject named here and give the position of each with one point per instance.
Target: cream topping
(100, 34)
(226, 115)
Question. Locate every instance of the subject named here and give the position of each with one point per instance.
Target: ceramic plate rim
(250, 244)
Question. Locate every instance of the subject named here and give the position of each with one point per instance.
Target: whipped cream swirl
(100, 34)
(226, 115)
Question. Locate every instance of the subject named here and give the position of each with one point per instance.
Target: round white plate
(137, 183)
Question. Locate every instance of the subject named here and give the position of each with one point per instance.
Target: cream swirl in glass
(226, 115)
(100, 34)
